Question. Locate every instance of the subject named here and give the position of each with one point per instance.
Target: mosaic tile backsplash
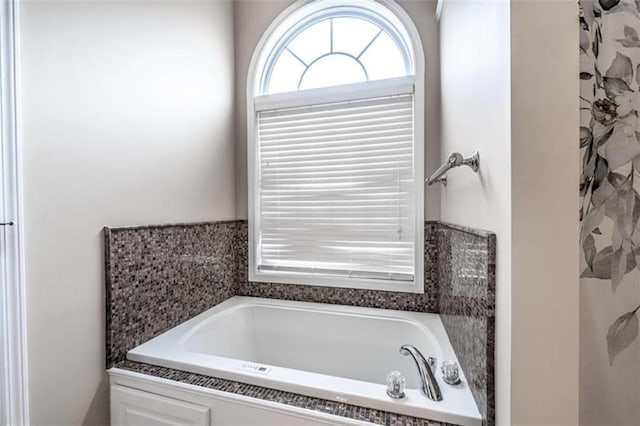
(466, 260)
(159, 276)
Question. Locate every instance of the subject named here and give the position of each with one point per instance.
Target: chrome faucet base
(395, 395)
(452, 382)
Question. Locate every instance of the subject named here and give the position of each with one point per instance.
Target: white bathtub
(340, 353)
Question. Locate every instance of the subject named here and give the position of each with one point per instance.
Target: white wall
(545, 230)
(252, 17)
(476, 102)
(127, 118)
(510, 89)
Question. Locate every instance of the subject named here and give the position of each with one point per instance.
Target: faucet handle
(395, 385)
(450, 372)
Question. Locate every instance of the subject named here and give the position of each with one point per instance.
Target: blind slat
(340, 132)
(303, 120)
(304, 139)
(337, 190)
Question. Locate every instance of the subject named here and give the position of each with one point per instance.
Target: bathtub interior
(359, 347)
(332, 352)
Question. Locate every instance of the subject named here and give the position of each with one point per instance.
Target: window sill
(416, 286)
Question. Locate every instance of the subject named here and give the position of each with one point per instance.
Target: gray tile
(159, 276)
(466, 272)
(296, 400)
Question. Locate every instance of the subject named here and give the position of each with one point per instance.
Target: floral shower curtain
(610, 209)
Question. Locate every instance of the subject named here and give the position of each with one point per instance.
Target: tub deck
(338, 353)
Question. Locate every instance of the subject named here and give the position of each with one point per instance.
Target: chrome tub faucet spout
(428, 384)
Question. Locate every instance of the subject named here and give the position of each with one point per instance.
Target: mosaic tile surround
(466, 262)
(349, 411)
(159, 276)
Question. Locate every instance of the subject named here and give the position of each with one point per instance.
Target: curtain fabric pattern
(610, 210)
(610, 142)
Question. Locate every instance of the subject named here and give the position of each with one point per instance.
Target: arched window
(341, 45)
(335, 148)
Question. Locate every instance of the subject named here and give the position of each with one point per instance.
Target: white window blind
(336, 189)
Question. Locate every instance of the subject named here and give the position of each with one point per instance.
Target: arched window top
(351, 42)
(335, 172)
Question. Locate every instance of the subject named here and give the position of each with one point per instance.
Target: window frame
(256, 101)
(14, 385)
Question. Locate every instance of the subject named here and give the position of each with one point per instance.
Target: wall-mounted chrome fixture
(455, 160)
